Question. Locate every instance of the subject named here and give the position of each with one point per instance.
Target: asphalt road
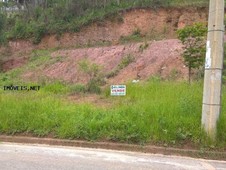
(44, 157)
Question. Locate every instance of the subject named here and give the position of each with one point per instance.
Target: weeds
(174, 74)
(95, 76)
(134, 37)
(144, 46)
(126, 60)
(151, 112)
(77, 88)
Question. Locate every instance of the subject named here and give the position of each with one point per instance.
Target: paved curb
(117, 146)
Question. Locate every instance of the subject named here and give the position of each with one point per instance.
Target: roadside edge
(117, 146)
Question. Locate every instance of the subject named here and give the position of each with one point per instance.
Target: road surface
(43, 157)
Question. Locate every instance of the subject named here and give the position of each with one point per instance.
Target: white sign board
(118, 90)
(208, 55)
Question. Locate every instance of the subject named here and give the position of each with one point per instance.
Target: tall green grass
(165, 113)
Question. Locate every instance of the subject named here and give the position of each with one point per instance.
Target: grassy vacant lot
(157, 112)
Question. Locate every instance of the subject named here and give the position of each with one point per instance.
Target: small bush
(193, 40)
(144, 46)
(96, 78)
(134, 37)
(39, 32)
(113, 73)
(20, 30)
(126, 61)
(93, 86)
(123, 63)
(137, 32)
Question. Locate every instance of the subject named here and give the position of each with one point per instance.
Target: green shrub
(39, 32)
(57, 27)
(126, 60)
(193, 40)
(144, 46)
(20, 30)
(93, 86)
(134, 37)
(96, 78)
(113, 73)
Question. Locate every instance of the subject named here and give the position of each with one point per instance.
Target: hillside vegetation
(56, 17)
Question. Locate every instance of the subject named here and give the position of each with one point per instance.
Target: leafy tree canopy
(193, 39)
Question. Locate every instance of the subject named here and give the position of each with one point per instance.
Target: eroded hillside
(141, 33)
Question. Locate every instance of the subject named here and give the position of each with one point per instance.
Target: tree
(193, 39)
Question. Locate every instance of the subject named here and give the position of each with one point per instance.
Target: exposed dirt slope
(160, 58)
(153, 23)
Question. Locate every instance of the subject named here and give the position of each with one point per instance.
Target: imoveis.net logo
(20, 88)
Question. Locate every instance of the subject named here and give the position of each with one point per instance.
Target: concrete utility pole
(213, 68)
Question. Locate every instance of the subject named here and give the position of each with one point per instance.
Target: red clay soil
(13, 63)
(16, 54)
(160, 58)
(156, 23)
(153, 24)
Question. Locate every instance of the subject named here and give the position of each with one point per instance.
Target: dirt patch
(154, 24)
(13, 63)
(10, 62)
(18, 46)
(159, 58)
(94, 99)
(15, 54)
